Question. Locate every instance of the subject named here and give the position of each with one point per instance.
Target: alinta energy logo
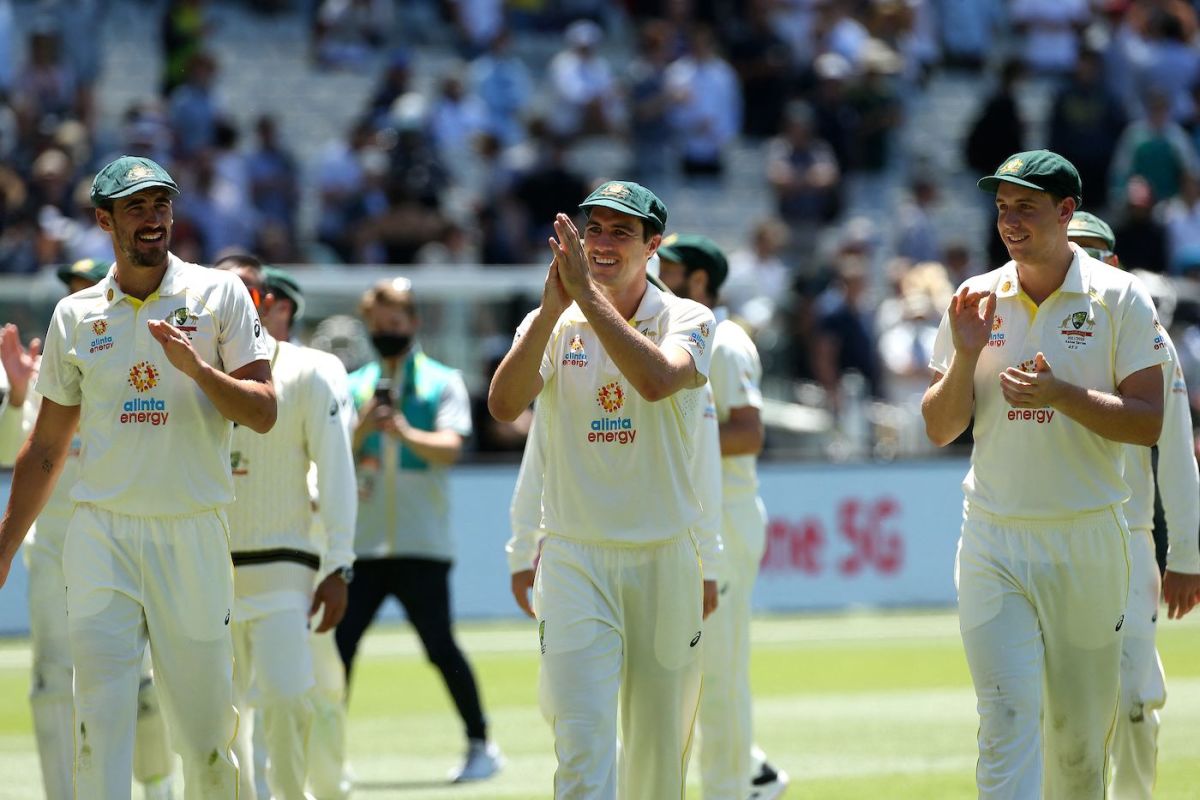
(101, 342)
(997, 337)
(608, 430)
(575, 356)
(144, 376)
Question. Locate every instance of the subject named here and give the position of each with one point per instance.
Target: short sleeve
(943, 346)
(547, 366)
(454, 407)
(241, 339)
(735, 378)
(1140, 341)
(691, 326)
(59, 377)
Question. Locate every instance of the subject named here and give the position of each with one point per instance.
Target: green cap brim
(992, 183)
(617, 205)
(138, 187)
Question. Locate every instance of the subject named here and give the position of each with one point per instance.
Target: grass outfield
(860, 706)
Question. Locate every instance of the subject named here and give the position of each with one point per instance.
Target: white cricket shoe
(768, 783)
(483, 760)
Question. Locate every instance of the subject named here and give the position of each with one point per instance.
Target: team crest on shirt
(239, 463)
(1077, 327)
(101, 342)
(184, 320)
(997, 338)
(611, 429)
(575, 356)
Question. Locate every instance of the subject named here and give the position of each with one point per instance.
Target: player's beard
(144, 254)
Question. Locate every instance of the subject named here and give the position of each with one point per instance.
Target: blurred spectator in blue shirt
(505, 85)
(274, 177)
(706, 104)
(649, 101)
(194, 108)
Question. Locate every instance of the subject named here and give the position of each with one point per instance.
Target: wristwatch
(345, 573)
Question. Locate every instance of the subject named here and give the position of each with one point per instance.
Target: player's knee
(50, 681)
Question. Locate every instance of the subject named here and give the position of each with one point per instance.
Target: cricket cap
(87, 268)
(282, 282)
(129, 174)
(630, 198)
(1088, 226)
(1043, 170)
(696, 252)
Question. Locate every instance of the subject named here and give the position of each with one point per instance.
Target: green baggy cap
(696, 252)
(1037, 169)
(631, 198)
(279, 281)
(87, 268)
(129, 174)
(1084, 226)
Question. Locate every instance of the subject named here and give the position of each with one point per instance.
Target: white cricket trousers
(726, 705)
(1143, 686)
(328, 778)
(50, 692)
(1041, 604)
(620, 625)
(273, 673)
(169, 580)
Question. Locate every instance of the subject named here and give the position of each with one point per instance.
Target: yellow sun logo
(611, 397)
(143, 376)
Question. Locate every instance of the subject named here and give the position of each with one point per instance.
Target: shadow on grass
(411, 786)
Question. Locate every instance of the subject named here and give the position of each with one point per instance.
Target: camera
(383, 392)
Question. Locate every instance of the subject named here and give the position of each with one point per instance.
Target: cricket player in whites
(1059, 358)
(50, 695)
(328, 776)
(620, 595)
(1143, 688)
(731, 767)
(275, 556)
(152, 365)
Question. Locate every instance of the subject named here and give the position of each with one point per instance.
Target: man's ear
(104, 220)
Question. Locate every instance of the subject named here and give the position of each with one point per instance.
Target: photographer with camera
(414, 416)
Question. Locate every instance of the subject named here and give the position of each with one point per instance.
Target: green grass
(857, 706)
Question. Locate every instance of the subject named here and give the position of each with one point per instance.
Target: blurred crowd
(464, 158)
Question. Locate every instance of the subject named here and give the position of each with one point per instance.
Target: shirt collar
(1076, 279)
(170, 284)
(650, 307)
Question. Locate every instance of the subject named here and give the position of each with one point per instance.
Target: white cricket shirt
(1178, 478)
(618, 467)
(273, 507)
(736, 380)
(1095, 330)
(152, 442)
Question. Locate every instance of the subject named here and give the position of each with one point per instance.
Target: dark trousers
(422, 586)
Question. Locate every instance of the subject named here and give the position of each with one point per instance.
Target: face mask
(389, 345)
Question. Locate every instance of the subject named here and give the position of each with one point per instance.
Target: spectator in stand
(398, 232)
(456, 116)
(349, 32)
(72, 234)
(1181, 217)
(917, 237)
(804, 174)
(1142, 236)
(706, 105)
(218, 209)
(846, 336)
(551, 185)
(395, 82)
(195, 106)
(836, 30)
(907, 342)
(1167, 63)
(478, 24)
(835, 116)
(878, 113)
(183, 33)
(762, 59)
(18, 253)
(47, 87)
(503, 82)
(145, 131)
(960, 263)
(274, 177)
(758, 277)
(1155, 148)
(1049, 33)
(969, 29)
(649, 102)
(1085, 120)
(584, 96)
(341, 181)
